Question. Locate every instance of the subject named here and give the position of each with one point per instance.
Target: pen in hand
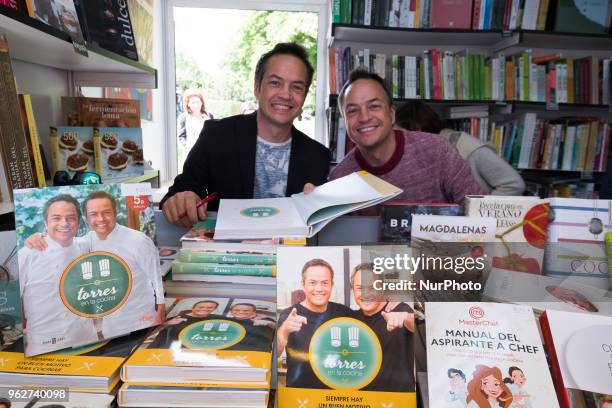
(205, 200)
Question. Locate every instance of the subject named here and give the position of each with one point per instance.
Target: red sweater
(426, 166)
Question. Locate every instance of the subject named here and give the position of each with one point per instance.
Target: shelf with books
(33, 41)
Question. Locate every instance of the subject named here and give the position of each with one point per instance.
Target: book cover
(456, 14)
(72, 149)
(222, 257)
(70, 367)
(190, 268)
(575, 247)
(208, 340)
(396, 218)
(334, 346)
(521, 230)
(110, 27)
(60, 14)
(442, 228)
(82, 282)
(10, 305)
(579, 348)
(485, 355)
(75, 400)
(118, 152)
(31, 131)
(100, 112)
(141, 15)
(18, 5)
(583, 16)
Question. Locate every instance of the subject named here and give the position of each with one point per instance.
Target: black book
(396, 218)
(108, 25)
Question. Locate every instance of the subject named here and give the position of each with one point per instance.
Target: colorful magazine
(333, 344)
(83, 282)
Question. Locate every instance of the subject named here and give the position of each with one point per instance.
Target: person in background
(493, 174)
(191, 121)
(425, 166)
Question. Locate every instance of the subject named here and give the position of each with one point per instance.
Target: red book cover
(476, 14)
(507, 11)
(555, 370)
(435, 67)
(451, 14)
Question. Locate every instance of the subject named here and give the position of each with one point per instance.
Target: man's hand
(36, 241)
(184, 202)
(292, 324)
(160, 314)
(263, 322)
(395, 320)
(175, 320)
(308, 188)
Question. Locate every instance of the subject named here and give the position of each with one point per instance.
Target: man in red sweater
(426, 166)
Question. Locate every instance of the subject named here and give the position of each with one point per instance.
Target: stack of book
(212, 351)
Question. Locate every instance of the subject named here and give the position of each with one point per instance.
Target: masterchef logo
(477, 313)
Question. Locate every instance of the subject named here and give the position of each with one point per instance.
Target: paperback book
(485, 355)
(10, 305)
(520, 235)
(333, 344)
(301, 215)
(82, 282)
(579, 350)
(208, 340)
(396, 218)
(72, 149)
(100, 112)
(118, 153)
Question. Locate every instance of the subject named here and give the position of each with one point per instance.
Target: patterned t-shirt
(271, 168)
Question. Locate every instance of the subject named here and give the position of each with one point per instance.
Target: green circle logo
(95, 284)
(213, 334)
(259, 212)
(345, 353)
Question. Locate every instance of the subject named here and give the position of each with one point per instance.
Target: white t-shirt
(50, 325)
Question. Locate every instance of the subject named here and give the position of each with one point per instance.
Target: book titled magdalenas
(109, 26)
(208, 340)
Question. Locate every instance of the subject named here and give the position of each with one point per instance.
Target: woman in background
(495, 175)
(191, 121)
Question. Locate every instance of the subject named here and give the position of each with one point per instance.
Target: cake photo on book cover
(334, 344)
(100, 112)
(118, 152)
(72, 149)
(482, 355)
(86, 281)
(208, 340)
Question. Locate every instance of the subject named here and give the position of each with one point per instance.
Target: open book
(301, 214)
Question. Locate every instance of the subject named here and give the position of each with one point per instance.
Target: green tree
(188, 74)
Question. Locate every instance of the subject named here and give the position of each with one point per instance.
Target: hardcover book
(100, 112)
(72, 149)
(75, 400)
(333, 344)
(576, 249)
(33, 142)
(485, 355)
(118, 152)
(520, 235)
(60, 14)
(455, 14)
(583, 16)
(82, 282)
(208, 340)
(396, 218)
(579, 350)
(109, 26)
(441, 228)
(301, 214)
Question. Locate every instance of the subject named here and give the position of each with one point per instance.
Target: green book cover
(345, 11)
(223, 269)
(335, 5)
(244, 258)
(487, 82)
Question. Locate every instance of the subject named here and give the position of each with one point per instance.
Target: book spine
(335, 8)
(226, 258)
(97, 150)
(14, 142)
(34, 140)
(549, 345)
(221, 269)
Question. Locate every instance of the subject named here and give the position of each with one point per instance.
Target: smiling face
(491, 386)
(368, 114)
(317, 285)
(243, 312)
(101, 216)
(203, 309)
(367, 306)
(518, 377)
(62, 222)
(282, 90)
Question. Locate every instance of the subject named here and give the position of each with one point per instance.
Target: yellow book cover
(31, 131)
(208, 340)
(335, 348)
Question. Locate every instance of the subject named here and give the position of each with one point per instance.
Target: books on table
(485, 354)
(91, 283)
(301, 215)
(333, 345)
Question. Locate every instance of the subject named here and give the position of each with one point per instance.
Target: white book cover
(583, 350)
(486, 355)
(404, 14)
(575, 244)
(301, 214)
(441, 228)
(568, 147)
(367, 14)
(530, 14)
(529, 125)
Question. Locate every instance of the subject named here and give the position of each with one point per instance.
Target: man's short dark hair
(60, 197)
(100, 194)
(293, 49)
(417, 115)
(244, 304)
(317, 262)
(205, 301)
(358, 74)
(452, 371)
